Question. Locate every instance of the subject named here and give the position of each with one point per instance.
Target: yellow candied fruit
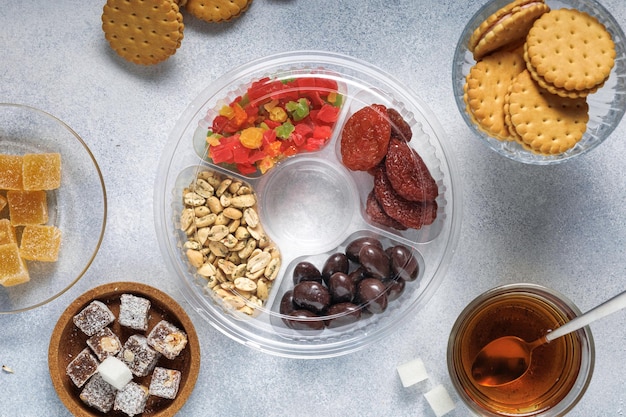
(40, 243)
(27, 207)
(278, 114)
(227, 112)
(332, 97)
(251, 137)
(7, 232)
(213, 139)
(10, 172)
(13, 270)
(41, 171)
(266, 163)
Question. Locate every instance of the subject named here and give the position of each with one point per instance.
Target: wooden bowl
(67, 341)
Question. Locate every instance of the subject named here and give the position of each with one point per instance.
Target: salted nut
(226, 242)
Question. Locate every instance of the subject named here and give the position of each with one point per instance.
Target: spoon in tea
(507, 358)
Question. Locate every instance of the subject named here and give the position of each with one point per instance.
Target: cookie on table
(569, 53)
(217, 10)
(486, 86)
(145, 32)
(545, 123)
(507, 26)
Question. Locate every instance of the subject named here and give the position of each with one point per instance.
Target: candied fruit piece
(3, 202)
(165, 383)
(41, 171)
(13, 269)
(98, 394)
(93, 318)
(40, 243)
(7, 232)
(167, 339)
(27, 207)
(82, 367)
(134, 312)
(10, 172)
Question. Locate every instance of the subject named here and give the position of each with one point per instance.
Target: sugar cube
(98, 394)
(93, 318)
(115, 372)
(140, 358)
(82, 367)
(105, 343)
(165, 383)
(13, 269)
(132, 399)
(41, 171)
(167, 339)
(439, 400)
(10, 172)
(412, 372)
(40, 243)
(134, 312)
(27, 207)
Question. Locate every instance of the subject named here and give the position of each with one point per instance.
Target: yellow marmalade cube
(13, 270)
(27, 207)
(10, 172)
(41, 171)
(40, 243)
(7, 232)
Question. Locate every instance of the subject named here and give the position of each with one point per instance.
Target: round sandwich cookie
(507, 26)
(486, 86)
(569, 53)
(145, 32)
(543, 122)
(217, 10)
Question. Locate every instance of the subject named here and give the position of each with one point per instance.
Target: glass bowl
(309, 204)
(77, 208)
(606, 106)
(560, 372)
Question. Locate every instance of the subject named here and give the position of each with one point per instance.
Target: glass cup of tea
(559, 371)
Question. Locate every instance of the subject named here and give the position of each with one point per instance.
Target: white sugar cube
(439, 400)
(412, 372)
(115, 372)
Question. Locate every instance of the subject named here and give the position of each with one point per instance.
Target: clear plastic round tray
(310, 205)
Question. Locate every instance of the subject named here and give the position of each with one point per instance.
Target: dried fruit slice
(411, 214)
(378, 215)
(408, 174)
(365, 138)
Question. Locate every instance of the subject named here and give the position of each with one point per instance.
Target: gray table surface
(562, 226)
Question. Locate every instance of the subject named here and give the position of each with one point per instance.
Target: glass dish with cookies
(541, 82)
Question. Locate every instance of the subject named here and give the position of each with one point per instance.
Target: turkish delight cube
(27, 207)
(134, 312)
(13, 269)
(140, 358)
(105, 343)
(40, 243)
(7, 232)
(82, 367)
(41, 171)
(165, 383)
(93, 318)
(167, 339)
(11, 172)
(115, 372)
(132, 399)
(98, 394)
